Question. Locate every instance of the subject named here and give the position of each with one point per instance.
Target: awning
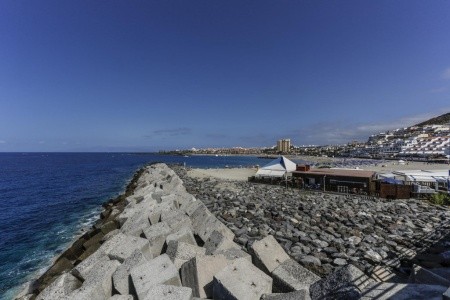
(392, 181)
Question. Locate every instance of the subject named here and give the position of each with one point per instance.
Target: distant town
(429, 140)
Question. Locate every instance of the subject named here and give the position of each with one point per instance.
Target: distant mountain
(441, 120)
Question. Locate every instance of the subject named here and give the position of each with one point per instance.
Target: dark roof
(338, 172)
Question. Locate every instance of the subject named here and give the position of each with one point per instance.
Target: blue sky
(150, 75)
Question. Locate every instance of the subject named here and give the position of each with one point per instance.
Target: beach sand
(238, 174)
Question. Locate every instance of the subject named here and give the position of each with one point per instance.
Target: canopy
(392, 181)
(277, 168)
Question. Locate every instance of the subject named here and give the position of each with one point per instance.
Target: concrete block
(180, 252)
(290, 276)
(184, 199)
(210, 225)
(135, 225)
(446, 294)
(171, 198)
(184, 235)
(61, 287)
(169, 292)
(127, 246)
(232, 254)
(192, 207)
(267, 254)
(198, 273)
(98, 283)
(218, 241)
(387, 290)
(297, 295)
(199, 215)
(154, 214)
(93, 240)
(347, 282)
(122, 297)
(82, 269)
(424, 276)
(241, 280)
(178, 220)
(110, 235)
(156, 235)
(121, 277)
(159, 270)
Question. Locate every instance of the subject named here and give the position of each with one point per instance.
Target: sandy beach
(237, 174)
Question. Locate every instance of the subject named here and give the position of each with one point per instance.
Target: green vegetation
(440, 199)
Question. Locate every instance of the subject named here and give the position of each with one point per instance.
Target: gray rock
(345, 283)
(310, 260)
(373, 256)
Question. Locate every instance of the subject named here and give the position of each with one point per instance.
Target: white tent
(277, 168)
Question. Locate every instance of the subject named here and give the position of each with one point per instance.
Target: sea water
(47, 199)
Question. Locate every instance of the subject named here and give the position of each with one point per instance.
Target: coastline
(59, 263)
(154, 221)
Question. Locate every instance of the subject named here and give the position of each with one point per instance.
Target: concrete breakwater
(158, 241)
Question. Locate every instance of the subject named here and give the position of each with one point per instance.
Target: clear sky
(149, 75)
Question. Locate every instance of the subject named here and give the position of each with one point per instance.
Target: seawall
(158, 241)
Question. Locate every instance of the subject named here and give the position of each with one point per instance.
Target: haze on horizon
(150, 75)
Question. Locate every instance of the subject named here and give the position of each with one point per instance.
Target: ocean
(48, 198)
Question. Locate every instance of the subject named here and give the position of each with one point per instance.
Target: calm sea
(47, 198)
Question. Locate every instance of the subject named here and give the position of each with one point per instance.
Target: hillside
(440, 120)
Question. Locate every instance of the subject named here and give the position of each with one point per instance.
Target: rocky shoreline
(172, 238)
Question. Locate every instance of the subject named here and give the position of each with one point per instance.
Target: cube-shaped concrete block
(212, 224)
(192, 207)
(121, 277)
(121, 297)
(128, 246)
(180, 252)
(199, 216)
(154, 214)
(156, 235)
(82, 269)
(297, 295)
(159, 270)
(232, 254)
(170, 197)
(267, 254)
(291, 276)
(98, 283)
(169, 292)
(348, 279)
(198, 273)
(135, 225)
(241, 280)
(184, 199)
(217, 241)
(178, 221)
(184, 235)
(60, 288)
